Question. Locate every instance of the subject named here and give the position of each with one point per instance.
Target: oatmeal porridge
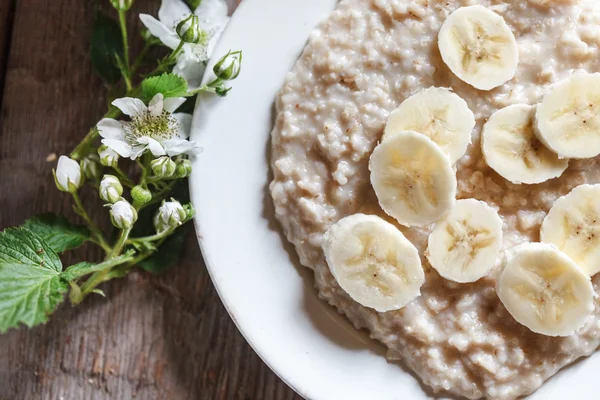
(358, 66)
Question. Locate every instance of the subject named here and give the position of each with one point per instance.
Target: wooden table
(153, 337)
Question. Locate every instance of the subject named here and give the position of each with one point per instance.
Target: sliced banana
(479, 47)
(573, 225)
(465, 245)
(373, 262)
(438, 113)
(510, 147)
(567, 119)
(543, 289)
(413, 179)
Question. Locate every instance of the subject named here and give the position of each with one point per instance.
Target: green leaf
(57, 231)
(170, 85)
(106, 47)
(168, 254)
(30, 283)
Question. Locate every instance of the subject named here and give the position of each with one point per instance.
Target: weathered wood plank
(165, 337)
(6, 19)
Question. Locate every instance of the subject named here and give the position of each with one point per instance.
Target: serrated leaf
(105, 47)
(168, 253)
(170, 85)
(30, 283)
(57, 231)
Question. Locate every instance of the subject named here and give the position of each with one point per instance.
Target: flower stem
(96, 233)
(152, 238)
(127, 72)
(161, 194)
(101, 276)
(170, 59)
(79, 151)
(140, 58)
(123, 177)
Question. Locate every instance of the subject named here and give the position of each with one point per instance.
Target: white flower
(68, 175)
(212, 15)
(110, 189)
(154, 127)
(170, 214)
(123, 215)
(108, 157)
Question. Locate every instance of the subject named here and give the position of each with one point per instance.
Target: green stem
(127, 72)
(75, 272)
(120, 243)
(123, 177)
(122, 270)
(170, 59)
(96, 233)
(140, 58)
(161, 194)
(101, 276)
(152, 238)
(79, 151)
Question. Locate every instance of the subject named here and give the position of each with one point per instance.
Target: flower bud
(229, 67)
(91, 167)
(171, 214)
(189, 211)
(108, 157)
(184, 168)
(110, 189)
(163, 167)
(67, 175)
(189, 30)
(121, 5)
(123, 215)
(140, 195)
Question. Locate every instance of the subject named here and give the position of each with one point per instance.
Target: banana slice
(573, 225)
(439, 114)
(510, 147)
(567, 120)
(373, 262)
(543, 289)
(479, 47)
(465, 245)
(413, 179)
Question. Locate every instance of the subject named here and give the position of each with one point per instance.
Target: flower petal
(172, 103)
(130, 106)
(173, 11)
(155, 147)
(156, 105)
(161, 31)
(68, 170)
(214, 37)
(185, 122)
(121, 147)
(175, 147)
(110, 129)
(212, 9)
(190, 67)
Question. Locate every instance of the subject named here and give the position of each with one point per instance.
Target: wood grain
(6, 19)
(154, 337)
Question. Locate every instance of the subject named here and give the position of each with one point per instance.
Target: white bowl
(268, 294)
